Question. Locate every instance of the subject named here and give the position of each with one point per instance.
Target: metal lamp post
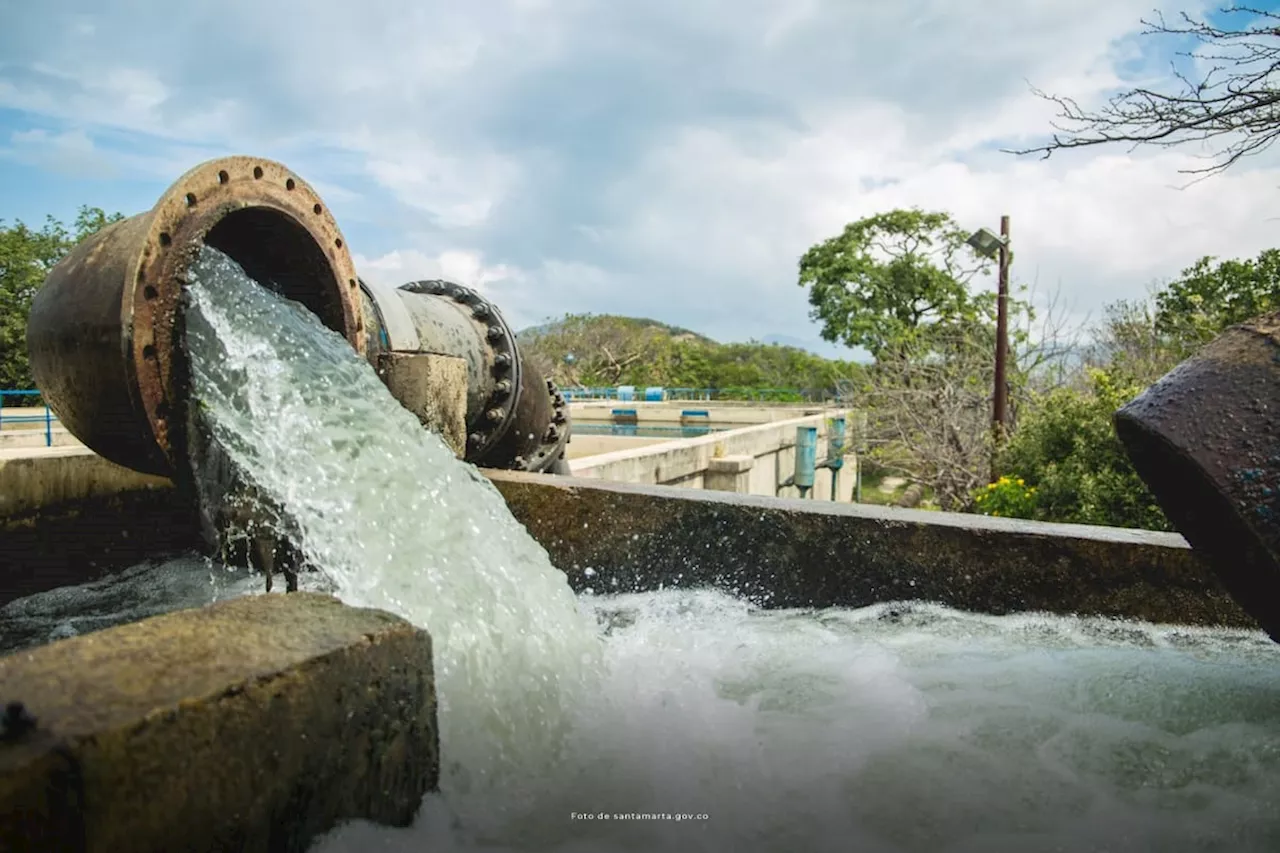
(989, 245)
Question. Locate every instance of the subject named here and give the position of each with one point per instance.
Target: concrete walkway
(36, 452)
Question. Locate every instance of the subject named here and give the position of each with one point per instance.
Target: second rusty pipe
(1206, 440)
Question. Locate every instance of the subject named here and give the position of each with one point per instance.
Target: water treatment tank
(654, 394)
(626, 393)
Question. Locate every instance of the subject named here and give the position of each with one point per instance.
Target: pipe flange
(556, 436)
(504, 363)
(257, 211)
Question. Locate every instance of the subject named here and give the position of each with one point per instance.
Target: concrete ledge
(796, 553)
(731, 464)
(251, 725)
(687, 461)
(729, 473)
(61, 476)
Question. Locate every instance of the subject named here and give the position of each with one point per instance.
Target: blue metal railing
(690, 394)
(47, 418)
(645, 430)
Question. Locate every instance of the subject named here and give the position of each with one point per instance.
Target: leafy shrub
(1066, 449)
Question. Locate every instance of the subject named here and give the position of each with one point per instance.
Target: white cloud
(670, 159)
(518, 292)
(455, 192)
(456, 265)
(71, 153)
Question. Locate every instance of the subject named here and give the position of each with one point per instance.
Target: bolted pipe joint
(514, 418)
(105, 330)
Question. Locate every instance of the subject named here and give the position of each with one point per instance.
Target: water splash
(395, 521)
(899, 728)
(701, 723)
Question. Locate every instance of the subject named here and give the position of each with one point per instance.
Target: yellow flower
(990, 486)
(1021, 482)
(995, 512)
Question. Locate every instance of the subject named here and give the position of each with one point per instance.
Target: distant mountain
(606, 350)
(635, 324)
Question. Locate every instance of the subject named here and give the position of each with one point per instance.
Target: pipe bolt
(495, 333)
(502, 361)
(495, 415)
(480, 310)
(475, 438)
(503, 387)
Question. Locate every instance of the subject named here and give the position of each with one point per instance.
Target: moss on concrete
(250, 725)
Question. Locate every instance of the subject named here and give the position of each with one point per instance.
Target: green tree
(886, 276)
(26, 256)
(1066, 449)
(1208, 297)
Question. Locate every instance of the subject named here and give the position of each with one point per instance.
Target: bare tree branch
(1234, 105)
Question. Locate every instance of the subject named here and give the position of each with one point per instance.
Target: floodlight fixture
(985, 243)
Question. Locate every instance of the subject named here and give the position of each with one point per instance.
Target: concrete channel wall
(753, 460)
(780, 552)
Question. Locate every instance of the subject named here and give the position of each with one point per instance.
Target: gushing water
(691, 721)
(395, 521)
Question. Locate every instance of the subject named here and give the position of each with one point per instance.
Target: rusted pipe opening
(1206, 440)
(1206, 518)
(280, 254)
(105, 332)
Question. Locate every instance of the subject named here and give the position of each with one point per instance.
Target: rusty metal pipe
(1206, 440)
(105, 330)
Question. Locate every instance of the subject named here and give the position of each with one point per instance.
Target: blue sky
(663, 159)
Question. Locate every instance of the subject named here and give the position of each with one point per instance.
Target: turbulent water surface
(690, 721)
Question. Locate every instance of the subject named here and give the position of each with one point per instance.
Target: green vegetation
(899, 285)
(889, 276)
(1008, 496)
(609, 351)
(26, 256)
(1068, 464)
(1066, 446)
